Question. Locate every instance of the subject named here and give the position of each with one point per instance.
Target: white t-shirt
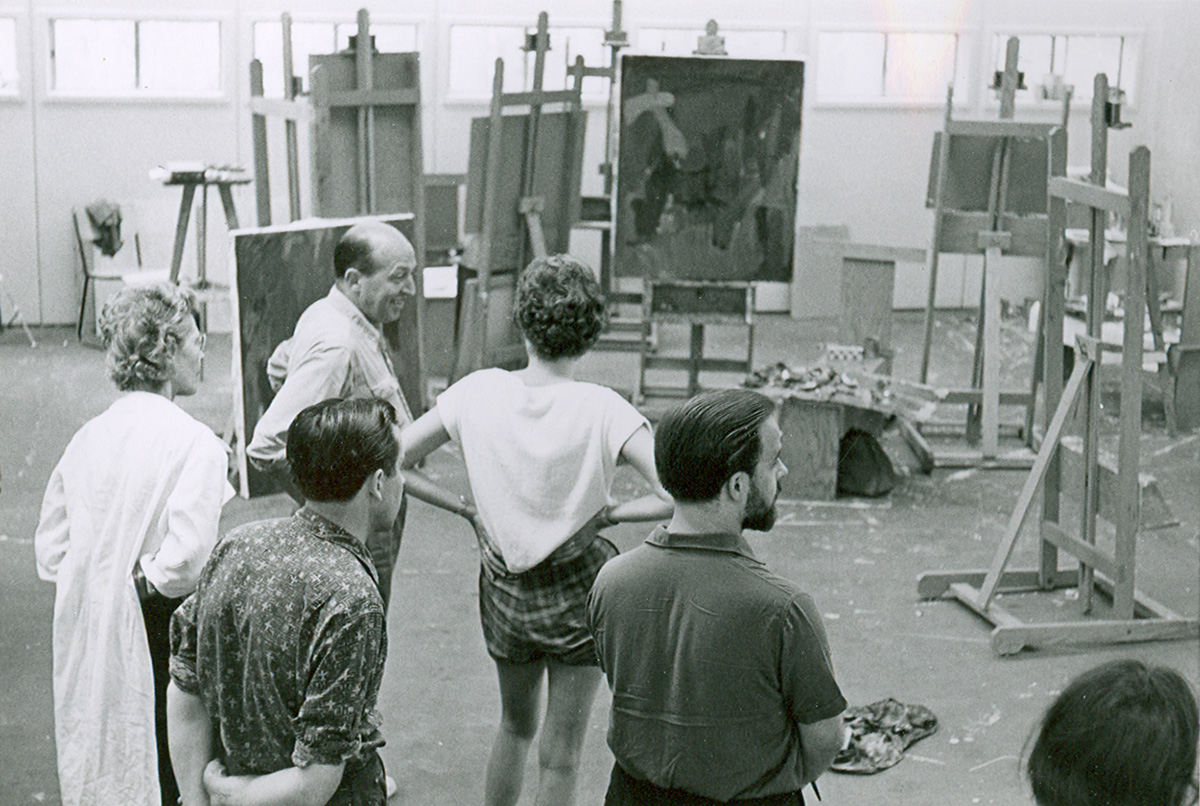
(540, 459)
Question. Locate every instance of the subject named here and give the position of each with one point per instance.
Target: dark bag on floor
(863, 467)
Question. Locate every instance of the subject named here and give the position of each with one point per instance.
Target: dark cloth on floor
(879, 734)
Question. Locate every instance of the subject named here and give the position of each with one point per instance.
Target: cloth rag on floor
(879, 734)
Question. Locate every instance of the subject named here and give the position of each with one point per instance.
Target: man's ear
(738, 486)
(376, 481)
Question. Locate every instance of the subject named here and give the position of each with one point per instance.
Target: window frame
(964, 60)
(1028, 100)
(136, 95)
(21, 93)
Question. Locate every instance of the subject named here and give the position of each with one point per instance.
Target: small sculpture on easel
(710, 44)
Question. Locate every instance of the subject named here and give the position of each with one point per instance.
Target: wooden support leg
(697, 356)
(181, 227)
(990, 425)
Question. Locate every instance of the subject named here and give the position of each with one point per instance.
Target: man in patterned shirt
(277, 657)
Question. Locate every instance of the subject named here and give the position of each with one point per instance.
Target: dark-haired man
(723, 689)
(277, 657)
(338, 351)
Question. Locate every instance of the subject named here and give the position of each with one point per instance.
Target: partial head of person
(723, 448)
(560, 309)
(375, 267)
(153, 340)
(1122, 734)
(347, 452)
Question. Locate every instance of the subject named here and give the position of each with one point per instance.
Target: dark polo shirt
(713, 662)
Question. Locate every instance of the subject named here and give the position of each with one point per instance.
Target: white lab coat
(142, 480)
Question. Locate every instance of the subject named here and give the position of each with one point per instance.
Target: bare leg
(568, 709)
(520, 687)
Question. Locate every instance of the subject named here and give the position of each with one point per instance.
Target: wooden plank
(1094, 632)
(538, 98)
(290, 135)
(935, 584)
(1087, 194)
(1086, 552)
(1144, 606)
(1006, 397)
(939, 182)
(973, 599)
(706, 364)
(867, 291)
(1053, 432)
(991, 353)
(884, 254)
(404, 96)
(1000, 128)
(258, 127)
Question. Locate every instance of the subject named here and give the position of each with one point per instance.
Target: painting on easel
(707, 168)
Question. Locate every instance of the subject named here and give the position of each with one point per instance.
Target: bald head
(375, 268)
(369, 247)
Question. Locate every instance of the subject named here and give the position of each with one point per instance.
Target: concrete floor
(858, 558)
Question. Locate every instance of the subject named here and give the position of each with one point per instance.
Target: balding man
(338, 350)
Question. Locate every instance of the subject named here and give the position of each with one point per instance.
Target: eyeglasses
(203, 341)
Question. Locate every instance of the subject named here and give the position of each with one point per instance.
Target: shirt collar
(324, 529)
(731, 543)
(348, 308)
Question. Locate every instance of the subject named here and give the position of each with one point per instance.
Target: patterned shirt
(284, 640)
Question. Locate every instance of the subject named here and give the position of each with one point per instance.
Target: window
(132, 57)
(745, 44)
(475, 48)
(1048, 60)
(866, 66)
(317, 38)
(9, 78)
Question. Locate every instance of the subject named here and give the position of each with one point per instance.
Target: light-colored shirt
(713, 661)
(334, 351)
(142, 481)
(540, 459)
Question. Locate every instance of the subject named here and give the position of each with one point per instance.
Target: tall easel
(995, 228)
(1132, 616)
(490, 252)
(291, 112)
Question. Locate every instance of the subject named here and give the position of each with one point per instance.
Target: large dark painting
(707, 168)
(278, 272)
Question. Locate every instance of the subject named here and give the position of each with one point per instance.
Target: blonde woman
(128, 520)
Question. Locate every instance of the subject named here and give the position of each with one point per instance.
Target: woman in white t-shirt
(541, 450)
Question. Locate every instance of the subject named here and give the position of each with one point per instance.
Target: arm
(53, 534)
(318, 375)
(419, 439)
(638, 451)
(819, 744)
(189, 733)
(313, 785)
(193, 509)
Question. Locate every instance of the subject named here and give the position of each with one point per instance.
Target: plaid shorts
(542, 613)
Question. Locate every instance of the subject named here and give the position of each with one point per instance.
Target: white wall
(864, 167)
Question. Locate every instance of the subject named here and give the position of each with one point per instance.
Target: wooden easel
(291, 112)
(993, 233)
(486, 257)
(1133, 617)
(695, 304)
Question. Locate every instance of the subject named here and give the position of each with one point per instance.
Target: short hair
(137, 325)
(1121, 734)
(334, 445)
(560, 308)
(700, 444)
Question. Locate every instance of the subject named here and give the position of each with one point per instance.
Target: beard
(760, 515)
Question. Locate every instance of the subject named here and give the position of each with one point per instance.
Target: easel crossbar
(395, 97)
(538, 97)
(1085, 193)
(999, 128)
(279, 108)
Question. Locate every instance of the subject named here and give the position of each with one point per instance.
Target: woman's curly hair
(560, 308)
(136, 325)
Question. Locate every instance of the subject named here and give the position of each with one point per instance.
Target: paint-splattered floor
(858, 558)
